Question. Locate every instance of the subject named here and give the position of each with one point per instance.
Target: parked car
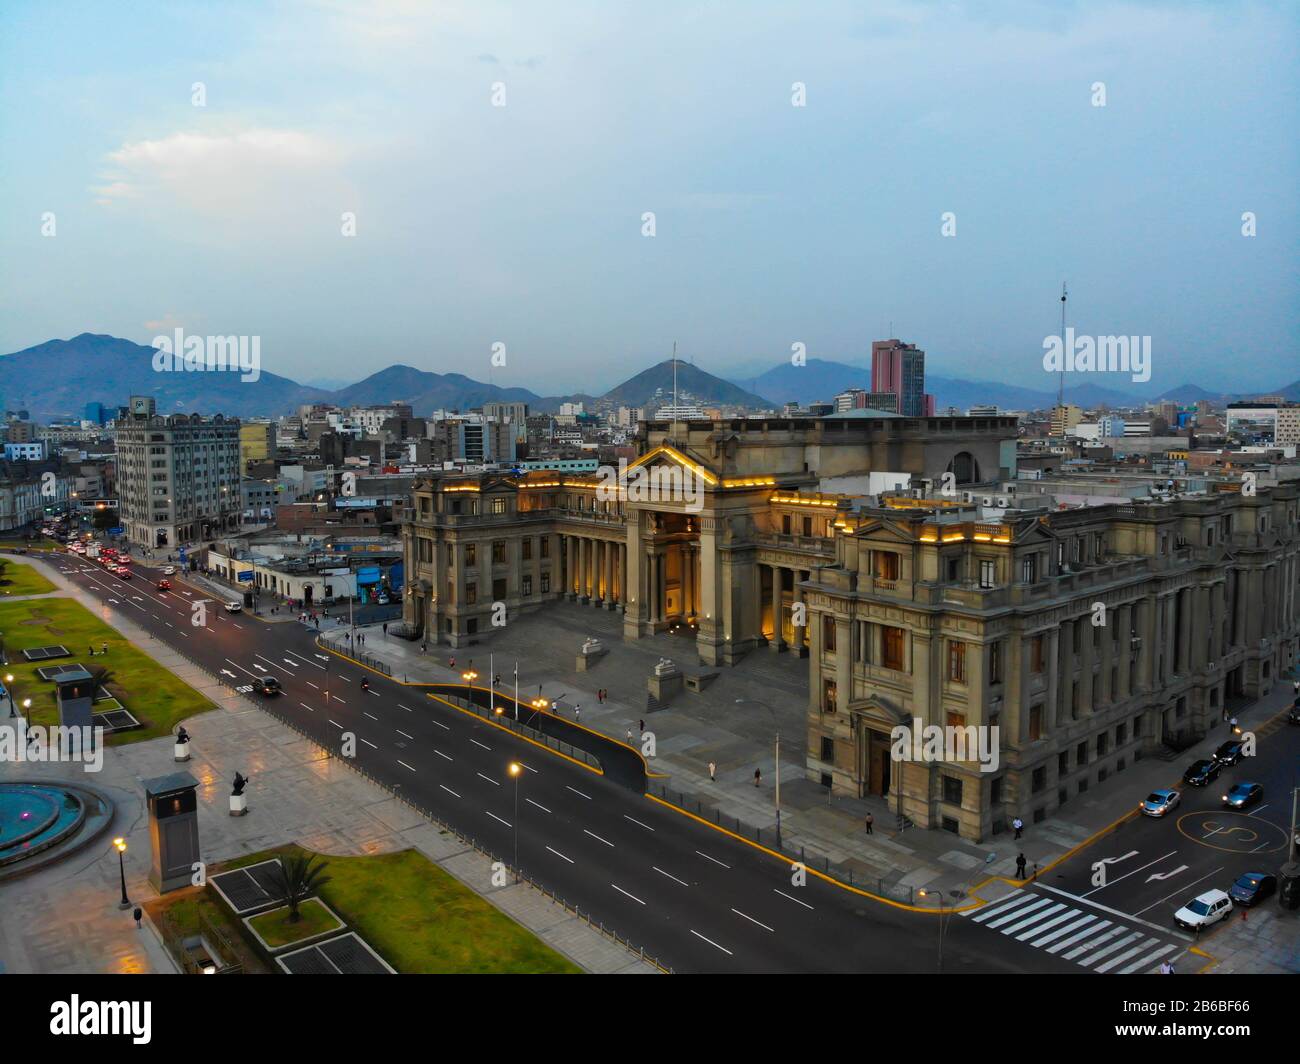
(267, 685)
(1204, 910)
(1252, 888)
(1201, 772)
(1243, 795)
(164, 585)
(234, 606)
(169, 570)
(1158, 803)
(1229, 753)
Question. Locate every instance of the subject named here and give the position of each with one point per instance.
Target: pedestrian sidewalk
(733, 723)
(298, 793)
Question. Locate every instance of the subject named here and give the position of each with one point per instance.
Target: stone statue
(240, 783)
(182, 736)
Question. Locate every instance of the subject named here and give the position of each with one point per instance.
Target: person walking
(629, 735)
(577, 711)
(641, 725)
(1019, 825)
(1020, 867)
(758, 776)
(1166, 968)
(385, 629)
(713, 772)
(104, 650)
(871, 822)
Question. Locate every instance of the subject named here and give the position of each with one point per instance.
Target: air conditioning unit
(967, 496)
(987, 500)
(1003, 501)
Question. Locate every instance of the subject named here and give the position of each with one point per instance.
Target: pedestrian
(629, 735)
(453, 663)
(104, 650)
(1232, 725)
(385, 629)
(139, 915)
(577, 712)
(1020, 867)
(1019, 825)
(871, 820)
(423, 647)
(641, 725)
(1166, 968)
(92, 650)
(713, 772)
(758, 775)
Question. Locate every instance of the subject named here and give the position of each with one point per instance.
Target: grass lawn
(423, 921)
(181, 914)
(276, 929)
(21, 579)
(154, 696)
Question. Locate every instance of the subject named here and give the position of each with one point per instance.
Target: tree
(103, 676)
(106, 519)
(295, 879)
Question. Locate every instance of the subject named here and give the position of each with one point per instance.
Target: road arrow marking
(1166, 875)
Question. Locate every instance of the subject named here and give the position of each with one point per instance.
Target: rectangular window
(499, 505)
(499, 590)
(785, 524)
(471, 594)
(891, 655)
(956, 661)
(952, 790)
(498, 552)
(807, 526)
(1029, 569)
(1035, 722)
(546, 581)
(828, 634)
(828, 696)
(1036, 661)
(545, 544)
(828, 750)
(526, 546)
(995, 663)
(471, 555)
(988, 573)
(527, 582)
(885, 565)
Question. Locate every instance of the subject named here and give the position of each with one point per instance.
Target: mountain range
(60, 377)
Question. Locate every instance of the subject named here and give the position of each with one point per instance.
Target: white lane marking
(449, 791)
(239, 626)
(267, 660)
(303, 660)
(529, 767)
(560, 855)
(375, 693)
(399, 731)
(713, 859)
(495, 817)
(1112, 882)
(441, 754)
(712, 943)
(306, 707)
(310, 684)
(488, 778)
(538, 804)
(370, 715)
(637, 822)
(577, 792)
(337, 699)
(670, 876)
(344, 678)
(1180, 890)
(477, 743)
(405, 765)
(335, 723)
(622, 891)
(598, 838)
(368, 743)
(440, 724)
(795, 900)
(407, 708)
(753, 921)
(239, 667)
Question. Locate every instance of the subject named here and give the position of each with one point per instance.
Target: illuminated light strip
(463, 487)
(954, 538)
(678, 457)
(802, 500)
(750, 482)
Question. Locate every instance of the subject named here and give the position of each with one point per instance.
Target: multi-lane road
(694, 898)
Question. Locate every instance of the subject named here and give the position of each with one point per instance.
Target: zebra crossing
(1099, 941)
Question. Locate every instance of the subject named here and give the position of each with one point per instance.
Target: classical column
(778, 642)
(800, 631)
(608, 594)
(597, 567)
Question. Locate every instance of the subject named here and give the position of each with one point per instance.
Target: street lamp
(516, 770)
(120, 845)
(938, 896)
(9, 690)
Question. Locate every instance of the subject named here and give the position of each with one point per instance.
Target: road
(694, 898)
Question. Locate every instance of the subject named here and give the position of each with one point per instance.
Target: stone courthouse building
(925, 594)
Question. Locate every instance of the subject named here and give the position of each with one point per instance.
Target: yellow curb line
(786, 859)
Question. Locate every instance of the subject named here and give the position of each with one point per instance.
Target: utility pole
(1060, 392)
(1295, 799)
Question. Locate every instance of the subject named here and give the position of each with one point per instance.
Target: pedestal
(238, 804)
(181, 752)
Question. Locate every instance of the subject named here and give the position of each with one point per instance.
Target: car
(1252, 888)
(1204, 910)
(1158, 803)
(1241, 795)
(234, 607)
(267, 685)
(1229, 753)
(164, 585)
(123, 572)
(1293, 717)
(169, 570)
(1201, 772)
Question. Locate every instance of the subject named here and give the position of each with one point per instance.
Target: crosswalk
(1096, 940)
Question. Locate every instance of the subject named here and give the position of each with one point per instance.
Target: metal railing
(840, 871)
(503, 716)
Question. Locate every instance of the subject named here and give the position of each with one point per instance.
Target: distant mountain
(61, 376)
(427, 392)
(700, 386)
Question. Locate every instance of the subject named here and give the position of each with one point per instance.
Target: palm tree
(295, 879)
(103, 677)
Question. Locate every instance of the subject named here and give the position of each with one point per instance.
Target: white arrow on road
(1166, 875)
(323, 657)
(257, 666)
(227, 672)
(1116, 860)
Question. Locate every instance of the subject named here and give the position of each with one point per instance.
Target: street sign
(119, 530)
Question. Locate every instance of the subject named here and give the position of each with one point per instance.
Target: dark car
(1201, 772)
(1241, 795)
(1230, 752)
(1253, 887)
(267, 685)
(1293, 717)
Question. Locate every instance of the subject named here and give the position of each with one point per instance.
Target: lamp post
(516, 770)
(938, 895)
(9, 690)
(120, 845)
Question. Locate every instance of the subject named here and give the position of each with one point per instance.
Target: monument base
(238, 804)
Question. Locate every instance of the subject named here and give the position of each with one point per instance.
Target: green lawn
(277, 930)
(197, 911)
(154, 696)
(423, 921)
(19, 578)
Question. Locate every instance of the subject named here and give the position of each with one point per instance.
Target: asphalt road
(696, 899)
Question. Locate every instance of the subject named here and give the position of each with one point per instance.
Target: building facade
(177, 475)
(1088, 638)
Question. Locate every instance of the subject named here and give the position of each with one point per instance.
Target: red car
(164, 585)
(123, 572)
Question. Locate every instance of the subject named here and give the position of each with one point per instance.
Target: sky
(499, 160)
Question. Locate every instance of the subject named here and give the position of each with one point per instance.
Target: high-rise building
(177, 475)
(899, 367)
(256, 442)
(95, 412)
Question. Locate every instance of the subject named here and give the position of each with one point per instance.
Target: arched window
(964, 467)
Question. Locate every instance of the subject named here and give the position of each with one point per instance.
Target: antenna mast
(1060, 393)
(674, 380)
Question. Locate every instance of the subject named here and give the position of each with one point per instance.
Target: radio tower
(674, 380)
(1060, 392)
